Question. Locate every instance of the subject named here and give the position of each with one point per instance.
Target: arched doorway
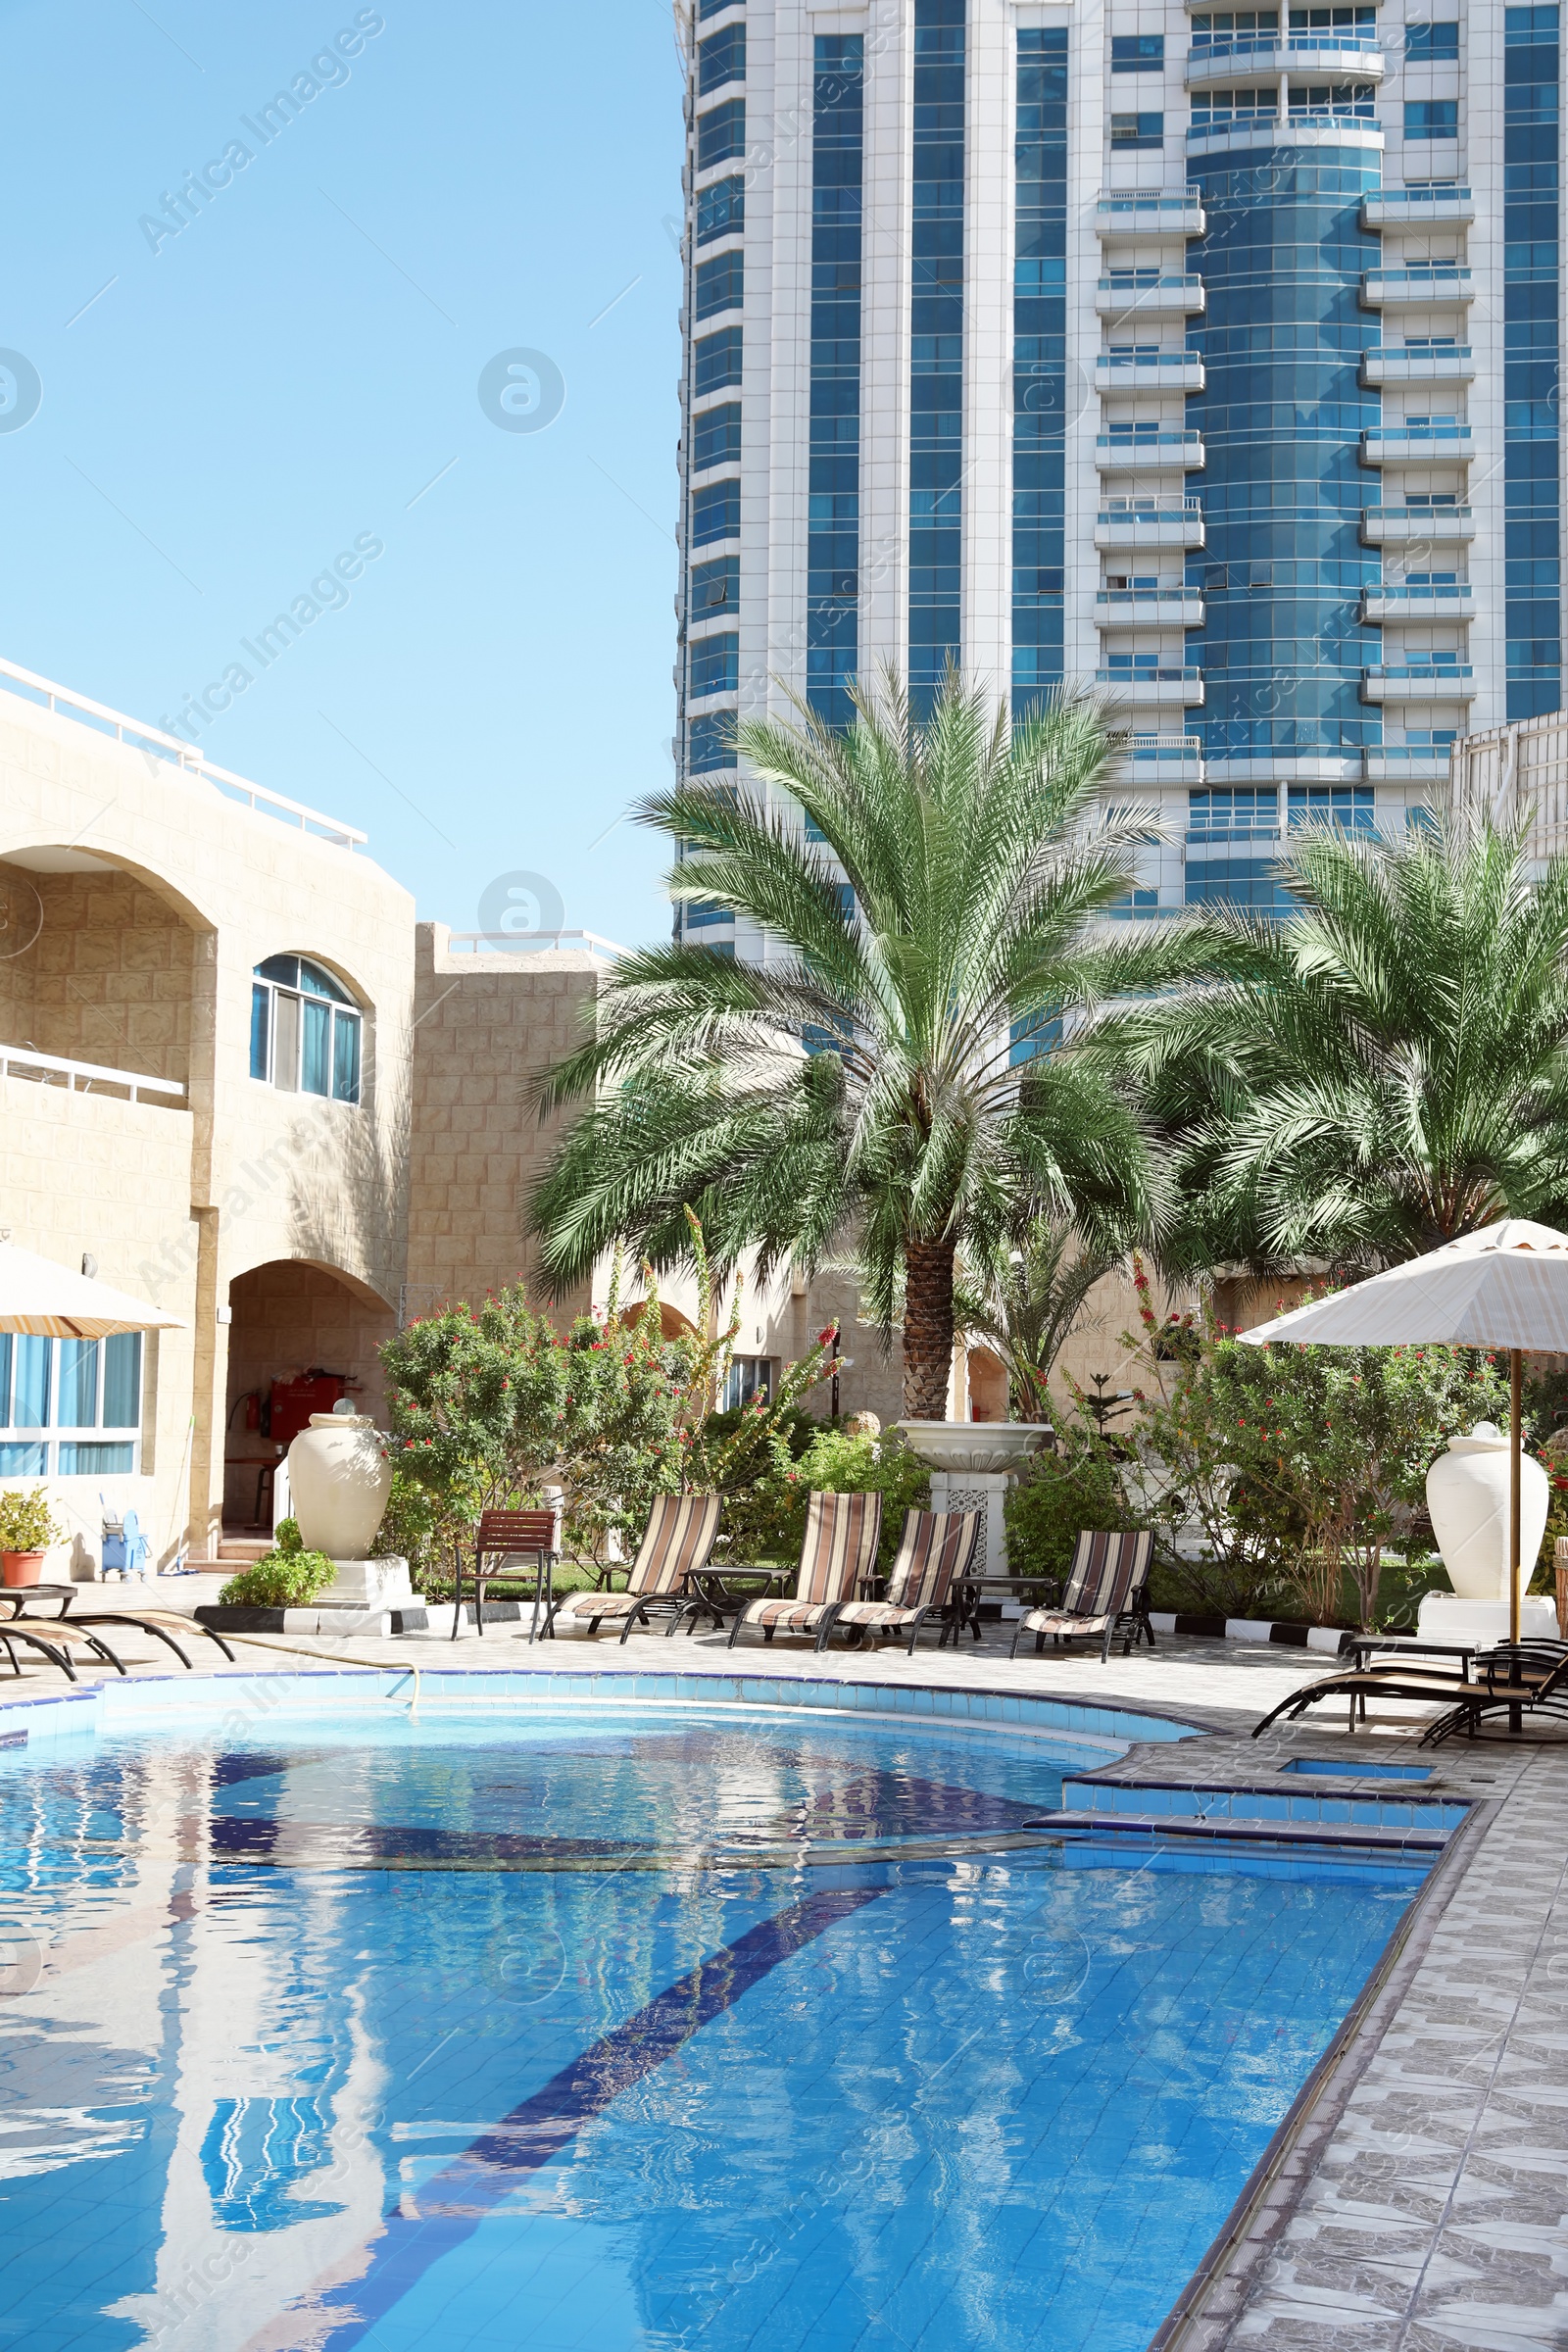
(302, 1334)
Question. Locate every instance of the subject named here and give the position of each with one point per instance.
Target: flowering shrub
(488, 1405)
(1295, 1466)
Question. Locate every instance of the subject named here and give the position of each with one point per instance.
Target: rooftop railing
(525, 943)
(66, 703)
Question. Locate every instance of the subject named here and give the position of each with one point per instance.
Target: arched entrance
(302, 1336)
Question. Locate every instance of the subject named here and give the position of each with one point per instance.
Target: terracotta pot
(1467, 1495)
(338, 1482)
(23, 1567)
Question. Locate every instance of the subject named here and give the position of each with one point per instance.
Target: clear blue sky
(289, 371)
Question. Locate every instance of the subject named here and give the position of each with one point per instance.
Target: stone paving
(1418, 2200)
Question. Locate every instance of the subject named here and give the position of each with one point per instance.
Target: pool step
(1153, 1828)
(1261, 1810)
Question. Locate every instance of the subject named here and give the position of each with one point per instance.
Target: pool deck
(1416, 2199)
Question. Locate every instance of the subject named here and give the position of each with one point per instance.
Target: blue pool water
(631, 2029)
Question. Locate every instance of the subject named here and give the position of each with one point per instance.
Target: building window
(1428, 44)
(833, 490)
(718, 362)
(1137, 52)
(721, 134)
(1213, 109)
(716, 664)
(1426, 118)
(722, 58)
(721, 285)
(716, 436)
(720, 209)
(937, 337)
(710, 743)
(305, 1030)
(716, 586)
(710, 7)
(53, 1392)
(700, 913)
(750, 1378)
(716, 513)
(1137, 130)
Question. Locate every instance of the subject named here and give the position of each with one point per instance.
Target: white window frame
(51, 1437)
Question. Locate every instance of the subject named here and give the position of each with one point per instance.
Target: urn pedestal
(974, 1466)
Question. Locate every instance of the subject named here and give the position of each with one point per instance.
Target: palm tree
(1387, 1069)
(1029, 1303)
(861, 1090)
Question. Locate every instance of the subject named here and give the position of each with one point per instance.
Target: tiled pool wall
(165, 1698)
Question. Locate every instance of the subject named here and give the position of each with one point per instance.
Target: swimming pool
(628, 2026)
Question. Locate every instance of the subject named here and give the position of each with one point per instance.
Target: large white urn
(992, 1447)
(1467, 1495)
(339, 1480)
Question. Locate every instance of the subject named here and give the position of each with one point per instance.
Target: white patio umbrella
(48, 1301)
(1505, 1287)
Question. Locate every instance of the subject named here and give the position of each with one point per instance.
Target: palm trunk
(927, 1328)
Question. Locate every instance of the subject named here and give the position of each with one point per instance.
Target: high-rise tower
(1210, 356)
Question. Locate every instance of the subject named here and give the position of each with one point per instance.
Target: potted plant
(28, 1527)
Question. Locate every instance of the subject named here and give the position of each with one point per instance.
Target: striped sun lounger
(937, 1550)
(1106, 1595)
(676, 1543)
(839, 1553)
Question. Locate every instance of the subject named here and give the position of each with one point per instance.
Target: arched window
(305, 1030)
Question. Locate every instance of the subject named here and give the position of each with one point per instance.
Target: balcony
(1445, 600)
(1128, 216)
(1162, 372)
(1412, 444)
(1149, 608)
(1416, 526)
(1394, 208)
(1166, 758)
(1180, 524)
(1149, 453)
(1456, 685)
(1395, 363)
(91, 1078)
(1405, 763)
(1150, 689)
(1149, 294)
(1344, 55)
(1443, 282)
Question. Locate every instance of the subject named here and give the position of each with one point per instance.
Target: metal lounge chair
(504, 1535)
(56, 1639)
(937, 1550)
(1529, 1666)
(1106, 1594)
(1520, 1680)
(162, 1624)
(676, 1544)
(837, 1553)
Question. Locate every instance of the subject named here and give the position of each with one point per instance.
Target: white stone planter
(339, 1480)
(1467, 1495)
(970, 1445)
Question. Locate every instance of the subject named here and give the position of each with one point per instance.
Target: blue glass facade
(1532, 486)
(1282, 650)
(833, 551)
(936, 373)
(1040, 362)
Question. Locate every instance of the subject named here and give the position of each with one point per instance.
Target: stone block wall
(106, 976)
(484, 1026)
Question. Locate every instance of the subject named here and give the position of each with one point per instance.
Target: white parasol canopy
(1504, 1286)
(49, 1301)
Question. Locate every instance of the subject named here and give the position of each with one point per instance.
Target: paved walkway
(1418, 2201)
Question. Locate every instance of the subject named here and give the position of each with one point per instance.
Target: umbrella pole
(1516, 1373)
